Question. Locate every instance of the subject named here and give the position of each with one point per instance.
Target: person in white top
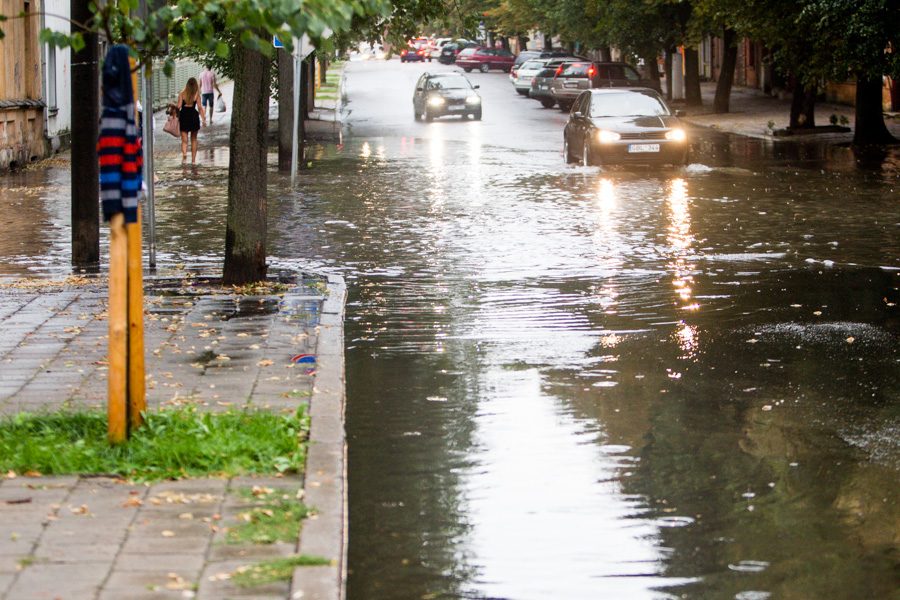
(207, 84)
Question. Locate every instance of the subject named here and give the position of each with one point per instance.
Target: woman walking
(190, 117)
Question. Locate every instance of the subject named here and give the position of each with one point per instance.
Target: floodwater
(571, 383)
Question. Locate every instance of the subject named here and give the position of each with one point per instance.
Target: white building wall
(57, 74)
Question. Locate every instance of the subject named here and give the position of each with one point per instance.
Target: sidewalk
(95, 537)
(751, 111)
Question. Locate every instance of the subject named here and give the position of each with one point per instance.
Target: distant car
(540, 83)
(521, 77)
(412, 55)
(575, 77)
(525, 55)
(623, 125)
(444, 94)
(439, 44)
(485, 59)
(452, 49)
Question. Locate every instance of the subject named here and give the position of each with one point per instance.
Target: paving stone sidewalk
(97, 537)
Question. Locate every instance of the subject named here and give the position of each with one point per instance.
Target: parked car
(439, 44)
(485, 59)
(412, 55)
(575, 77)
(525, 55)
(443, 94)
(540, 84)
(623, 125)
(521, 77)
(452, 49)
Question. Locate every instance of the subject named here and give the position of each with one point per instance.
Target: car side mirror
(475, 87)
(680, 113)
(577, 114)
(420, 89)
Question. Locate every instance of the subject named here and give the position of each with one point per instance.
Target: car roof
(606, 91)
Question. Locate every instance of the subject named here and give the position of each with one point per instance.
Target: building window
(51, 76)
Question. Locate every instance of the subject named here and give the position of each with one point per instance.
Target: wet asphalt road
(570, 383)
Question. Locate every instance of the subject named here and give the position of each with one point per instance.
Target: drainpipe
(44, 84)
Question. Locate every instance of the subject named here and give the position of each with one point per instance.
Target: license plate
(570, 85)
(455, 107)
(544, 87)
(643, 147)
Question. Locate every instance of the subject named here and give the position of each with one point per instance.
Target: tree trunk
(245, 232)
(304, 90)
(85, 181)
(548, 41)
(523, 42)
(692, 96)
(870, 128)
(323, 68)
(606, 55)
(668, 67)
(726, 74)
(652, 70)
(803, 106)
(504, 43)
(285, 108)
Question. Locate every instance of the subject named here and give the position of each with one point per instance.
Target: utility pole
(85, 182)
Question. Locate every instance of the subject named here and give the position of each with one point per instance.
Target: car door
(577, 121)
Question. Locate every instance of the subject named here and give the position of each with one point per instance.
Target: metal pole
(147, 125)
(295, 135)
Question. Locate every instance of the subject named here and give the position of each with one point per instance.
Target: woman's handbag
(172, 127)
(220, 104)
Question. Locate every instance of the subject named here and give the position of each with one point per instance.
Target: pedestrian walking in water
(190, 117)
(207, 84)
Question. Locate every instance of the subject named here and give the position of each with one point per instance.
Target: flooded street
(572, 383)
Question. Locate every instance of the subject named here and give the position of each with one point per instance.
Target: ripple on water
(752, 595)
(749, 566)
(675, 521)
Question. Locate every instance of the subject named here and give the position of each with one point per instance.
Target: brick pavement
(75, 537)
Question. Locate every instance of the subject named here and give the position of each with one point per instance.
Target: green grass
(174, 443)
(276, 518)
(278, 569)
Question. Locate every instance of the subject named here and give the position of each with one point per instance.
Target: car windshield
(532, 65)
(576, 70)
(617, 72)
(449, 83)
(628, 104)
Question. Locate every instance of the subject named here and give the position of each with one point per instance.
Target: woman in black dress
(190, 117)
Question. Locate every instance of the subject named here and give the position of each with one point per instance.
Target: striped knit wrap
(119, 145)
(119, 151)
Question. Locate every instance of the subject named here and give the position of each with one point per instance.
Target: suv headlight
(676, 135)
(435, 101)
(473, 100)
(606, 137)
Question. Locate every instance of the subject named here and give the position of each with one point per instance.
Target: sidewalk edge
(325, 482)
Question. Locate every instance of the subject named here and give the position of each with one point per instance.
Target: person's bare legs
(193, 147)
(184, 140)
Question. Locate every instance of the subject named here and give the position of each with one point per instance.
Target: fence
(165, 89)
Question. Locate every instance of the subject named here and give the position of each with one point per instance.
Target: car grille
(643, 135)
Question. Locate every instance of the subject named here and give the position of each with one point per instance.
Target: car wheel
(416, 115)
(476, 115)
(548, 102)
(564, 107)
(467, 69)
(586, 159)
(428, 115)
(484, 68)
(522, 92)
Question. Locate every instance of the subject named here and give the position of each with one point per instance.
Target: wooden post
(118, 330)
(137, 401)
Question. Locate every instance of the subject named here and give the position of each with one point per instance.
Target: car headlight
(676, 135)
(435, 101)
(607, 137)
(473, 100)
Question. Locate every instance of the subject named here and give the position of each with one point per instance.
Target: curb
(325, 482)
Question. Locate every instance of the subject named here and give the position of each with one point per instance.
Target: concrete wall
(21, 107)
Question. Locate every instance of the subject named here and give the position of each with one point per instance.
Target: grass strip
(275, 519)
(174, 443)
(278, 569)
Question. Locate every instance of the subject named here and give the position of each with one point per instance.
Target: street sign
(276, 42)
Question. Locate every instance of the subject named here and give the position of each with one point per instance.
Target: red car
(413, 55)
(485, 59)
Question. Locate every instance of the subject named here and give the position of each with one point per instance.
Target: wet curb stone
(325, 488)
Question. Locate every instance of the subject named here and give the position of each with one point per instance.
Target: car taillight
(591, 72)
(422, 52)
(559, 70)
(403, 53)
